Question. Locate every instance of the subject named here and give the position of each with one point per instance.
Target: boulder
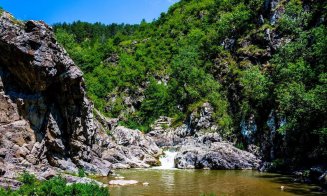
(49, 173)
(199, 144)
(219, 155)
(82, 180)
(129, 149)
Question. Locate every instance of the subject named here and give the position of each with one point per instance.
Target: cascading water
(167, 160)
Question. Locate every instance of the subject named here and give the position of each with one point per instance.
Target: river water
(176, 182)
(168, 181)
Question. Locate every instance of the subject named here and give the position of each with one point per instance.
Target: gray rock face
(127, 148)
(165, 136)
(199, 144)
(204, 150)
(200, 121)
(45, 117)
(276, 10)
(130, 99)
(48, 174)
(217, 155)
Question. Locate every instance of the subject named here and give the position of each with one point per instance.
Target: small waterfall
(167, 160)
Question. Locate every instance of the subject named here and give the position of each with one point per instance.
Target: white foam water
(167, 160)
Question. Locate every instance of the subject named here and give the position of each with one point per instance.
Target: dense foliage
(56, 186)
(252, 63)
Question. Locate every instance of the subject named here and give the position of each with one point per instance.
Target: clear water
(197, 182)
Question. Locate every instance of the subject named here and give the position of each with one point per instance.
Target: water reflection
(196, 182)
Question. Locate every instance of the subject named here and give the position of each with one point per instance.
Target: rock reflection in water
(196, 182)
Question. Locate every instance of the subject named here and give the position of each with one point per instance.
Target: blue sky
(105, 11)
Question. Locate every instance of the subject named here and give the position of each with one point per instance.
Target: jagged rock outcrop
(163, 135)
(199, 123)
(127, 148)
(202, 119)
(45, 117)
(199, 144)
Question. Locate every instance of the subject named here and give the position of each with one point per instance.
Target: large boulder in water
(218, 155)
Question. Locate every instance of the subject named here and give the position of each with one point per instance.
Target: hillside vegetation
(260, 64)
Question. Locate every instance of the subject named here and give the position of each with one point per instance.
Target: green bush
(27, 178)
(56, 186)
(240, 145)
(81, 172)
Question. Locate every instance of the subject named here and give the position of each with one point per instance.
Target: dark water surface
(197, 182)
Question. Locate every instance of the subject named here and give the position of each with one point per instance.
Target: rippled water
(196, 182)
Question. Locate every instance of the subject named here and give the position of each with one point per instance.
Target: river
(196, 182)
(167, 181)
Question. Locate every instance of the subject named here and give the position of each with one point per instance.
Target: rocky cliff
(45, 117)
(46, 121)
